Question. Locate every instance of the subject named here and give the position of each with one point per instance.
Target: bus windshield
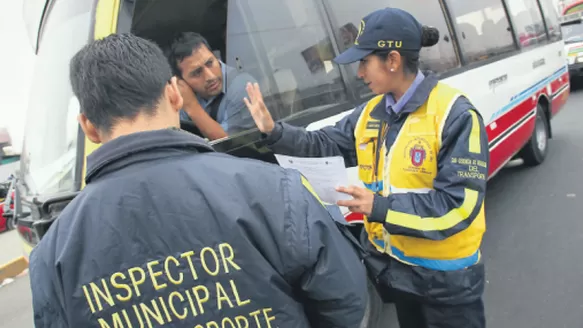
(48, 160)
(32, 14)
(573, 33)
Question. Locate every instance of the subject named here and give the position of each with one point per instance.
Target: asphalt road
(15, 304)
(533, 244)
(532, 247)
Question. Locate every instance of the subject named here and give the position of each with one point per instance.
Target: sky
(16, 66)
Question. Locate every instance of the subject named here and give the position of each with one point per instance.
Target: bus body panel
(506, 94)
(506, 90)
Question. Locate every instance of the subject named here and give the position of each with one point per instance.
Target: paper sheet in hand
(324, 174)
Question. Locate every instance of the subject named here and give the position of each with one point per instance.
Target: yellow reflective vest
(411, 166)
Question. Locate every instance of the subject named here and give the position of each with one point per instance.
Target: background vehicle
(7, 221)
(573, 36)
(511, 51)
(5, 140)
(4, 187)
(7, 154)
(573, 7)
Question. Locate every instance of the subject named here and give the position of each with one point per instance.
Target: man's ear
(173, 94)
(89, 129)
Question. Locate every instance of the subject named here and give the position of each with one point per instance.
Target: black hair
(429, 38)
(118, 77)
(183, 46)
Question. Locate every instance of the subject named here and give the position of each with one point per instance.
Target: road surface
(532, 246)
(535, 234)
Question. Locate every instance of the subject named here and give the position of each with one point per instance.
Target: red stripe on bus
(561, 98)
(557, 84)
(513, 142)
(501, 125)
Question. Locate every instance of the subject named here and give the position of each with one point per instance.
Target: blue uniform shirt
(397, 106)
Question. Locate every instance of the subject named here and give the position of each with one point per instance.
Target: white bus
(507, 56)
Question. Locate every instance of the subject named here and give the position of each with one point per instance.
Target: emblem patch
(360, 31)
(417, 154)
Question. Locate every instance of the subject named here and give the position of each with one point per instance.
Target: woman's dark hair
(429, 38)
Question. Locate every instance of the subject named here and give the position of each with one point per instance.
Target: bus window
(282, 45)
(50, 139)
(439, 58)
(482, 27)
(528, 22)
(32, 11)
(551, 19)
(573, 33)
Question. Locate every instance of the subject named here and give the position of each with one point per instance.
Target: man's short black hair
(118, 77)
(183, 46)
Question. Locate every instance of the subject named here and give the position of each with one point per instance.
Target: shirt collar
(396, 107)
(141, 146)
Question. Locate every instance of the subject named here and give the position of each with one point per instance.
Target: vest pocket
(365, 153)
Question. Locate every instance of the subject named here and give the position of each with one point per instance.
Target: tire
(535, 151)
(373, 317)
(10, 224)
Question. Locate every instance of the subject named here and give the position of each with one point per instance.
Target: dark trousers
(412, 312)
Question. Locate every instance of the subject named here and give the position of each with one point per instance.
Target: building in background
(5, 139)
(16, 65)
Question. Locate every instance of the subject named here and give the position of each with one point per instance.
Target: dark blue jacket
(463, 285)
(168, 233)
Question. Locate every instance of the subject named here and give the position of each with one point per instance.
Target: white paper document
(323, 173)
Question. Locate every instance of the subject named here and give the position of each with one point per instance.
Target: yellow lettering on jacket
(160, 292)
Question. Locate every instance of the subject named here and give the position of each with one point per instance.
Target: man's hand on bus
(258, 110)
(362, 201)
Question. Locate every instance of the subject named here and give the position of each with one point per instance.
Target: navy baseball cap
(384, 29)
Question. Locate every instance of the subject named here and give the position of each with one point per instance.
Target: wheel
(10, 224)
(373, 316)
(535, 151)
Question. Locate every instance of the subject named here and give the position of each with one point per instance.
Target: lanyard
(381, 138)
